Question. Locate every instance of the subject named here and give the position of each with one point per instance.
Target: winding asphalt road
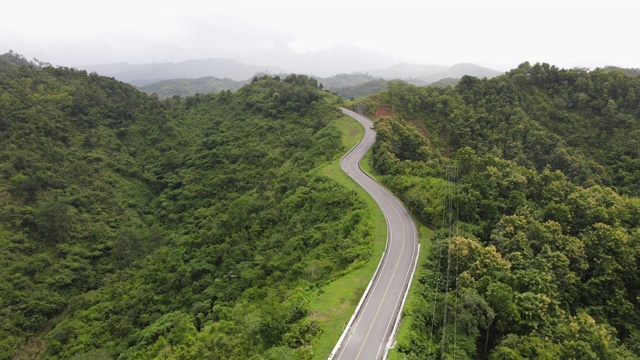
(368, 334)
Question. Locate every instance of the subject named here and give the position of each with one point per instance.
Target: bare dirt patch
(382, 111)
(32, 349)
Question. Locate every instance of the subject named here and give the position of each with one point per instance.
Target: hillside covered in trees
(544, 260)
(189, 228)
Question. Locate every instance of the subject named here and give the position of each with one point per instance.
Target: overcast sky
(324, 36)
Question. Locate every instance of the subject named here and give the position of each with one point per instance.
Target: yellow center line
(392, 275)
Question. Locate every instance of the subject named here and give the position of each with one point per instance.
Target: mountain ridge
(342, 83)
(149, 73)
(143, 74)
(407, 71)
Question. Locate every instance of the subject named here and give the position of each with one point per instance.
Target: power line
(451, 186)
(437, 271)
(457, 254)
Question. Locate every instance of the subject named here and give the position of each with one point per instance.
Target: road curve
(367, 334)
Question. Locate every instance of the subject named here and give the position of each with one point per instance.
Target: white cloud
(306, 44)
(563, 32)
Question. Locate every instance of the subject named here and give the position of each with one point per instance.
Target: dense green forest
(544, 181)
(189, 228)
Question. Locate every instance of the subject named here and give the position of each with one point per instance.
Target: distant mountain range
(214, 75)
(408, 71)
(144, 74)
(427, 74)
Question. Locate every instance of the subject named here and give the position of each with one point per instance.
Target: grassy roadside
(337, 301)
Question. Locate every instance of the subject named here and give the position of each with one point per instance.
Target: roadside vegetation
(544, 256)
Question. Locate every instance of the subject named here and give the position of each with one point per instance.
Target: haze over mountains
(142, 74)
(214, 75)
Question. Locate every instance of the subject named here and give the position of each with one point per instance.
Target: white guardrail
(355, 313)
(392, 337)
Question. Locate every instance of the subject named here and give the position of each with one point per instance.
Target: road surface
(368, 334)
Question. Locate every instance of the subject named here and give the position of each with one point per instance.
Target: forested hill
(544, 258)
(190, 228)
(584, 123)
(143, 74)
